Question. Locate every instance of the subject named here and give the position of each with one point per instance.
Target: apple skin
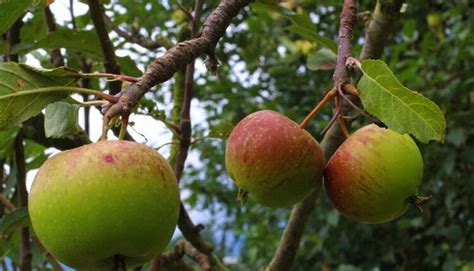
(110, 198)
(372, 174)
(273, 159)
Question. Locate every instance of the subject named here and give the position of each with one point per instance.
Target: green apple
(374, 174)
(105, 201)
(269, 156)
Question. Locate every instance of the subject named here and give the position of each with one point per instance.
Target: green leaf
(6, 140)
(302, 23)
(400, 108)
(311, 35)
(17, 78)
(61, 120)
(129, 67)
(10, 10)
(82, 41)
(14, 221)
(323, 59)
(221, 130)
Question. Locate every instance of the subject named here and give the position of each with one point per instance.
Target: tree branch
(25, 248)
(176, 58)
(185, 118)
(384, 19)
(110, 60)
(2, 177)
(56, 56)
(138, 38)
(348, 19)
(386, 12)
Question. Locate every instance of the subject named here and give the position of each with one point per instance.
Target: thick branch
(176, 58)
(292, 234)
(383, 20)
(334, 137)
(348, 19)
(25, 247)
(110, 60)
(185, 118)
(138, 38)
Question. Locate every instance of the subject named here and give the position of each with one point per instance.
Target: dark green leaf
(323, 59)
(82, 41)
(14, 221)
(61, 120)
(400, 108)
(311, 35)
(221, 130)
(17, 78)
(10, 10)
(6, 140)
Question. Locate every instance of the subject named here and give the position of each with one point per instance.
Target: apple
(374, 174)
(105, 201)
(269, 156)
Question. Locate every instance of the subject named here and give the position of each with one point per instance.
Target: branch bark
(110, 60)
(176, 58)
(185, 118)
(56, 56)
(383, 21)
(25, 247)
(138, 38)
(385, 15)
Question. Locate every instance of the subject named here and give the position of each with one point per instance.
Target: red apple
(105, 201)
(269, 156)
(372, 175)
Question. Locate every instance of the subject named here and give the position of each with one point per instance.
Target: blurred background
(265, 65)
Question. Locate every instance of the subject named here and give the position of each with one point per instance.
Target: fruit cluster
(116, 202)
(370, 178)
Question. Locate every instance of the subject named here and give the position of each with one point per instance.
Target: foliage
(270, 61)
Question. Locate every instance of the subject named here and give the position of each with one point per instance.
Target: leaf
(61, 120)
(323, 59)
(6, 140)
(302, 23)
(221, 130)
(313, 36)
(82, 41)
(400, 108)
(17, 78)
(14, 221)
(10, 11)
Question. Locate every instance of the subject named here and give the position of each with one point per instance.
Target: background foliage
(265, 65)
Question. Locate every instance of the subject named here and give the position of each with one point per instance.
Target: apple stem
(123, 127)
(242, 196)
(119, 263)
(352, 90)
(329, 95)
(334, 117)
(418, 201)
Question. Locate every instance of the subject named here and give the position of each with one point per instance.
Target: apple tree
(302, 135)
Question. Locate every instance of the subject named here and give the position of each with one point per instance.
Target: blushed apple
(373, 174)
(269, 156)
(105, 201)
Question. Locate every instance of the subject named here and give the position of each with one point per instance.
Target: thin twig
(25, 247)
(108, 51)
(139, 39)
